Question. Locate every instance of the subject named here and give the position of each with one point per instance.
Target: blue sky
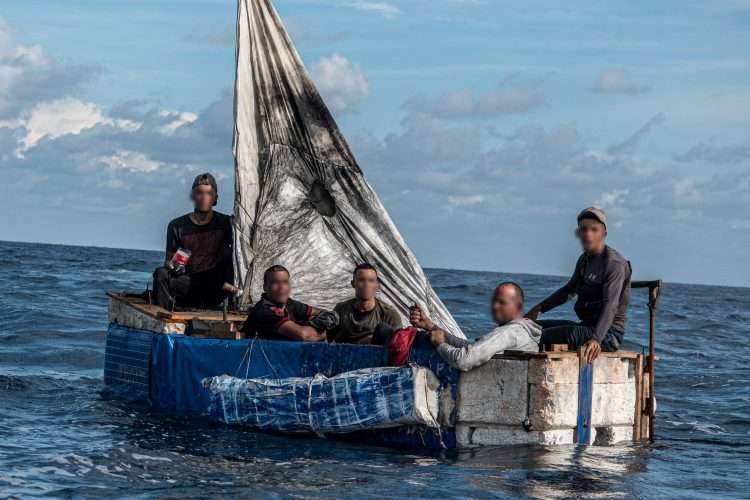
(483, 125)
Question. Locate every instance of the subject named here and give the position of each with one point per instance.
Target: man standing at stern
(601, 282)
(199, 253)
(513, 332)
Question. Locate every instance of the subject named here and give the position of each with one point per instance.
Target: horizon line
(424, 267)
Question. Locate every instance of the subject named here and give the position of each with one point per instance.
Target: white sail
(301, 200)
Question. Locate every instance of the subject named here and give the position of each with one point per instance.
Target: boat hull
(167, 372)
(516, 398)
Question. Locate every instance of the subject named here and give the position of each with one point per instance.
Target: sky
(484, 125)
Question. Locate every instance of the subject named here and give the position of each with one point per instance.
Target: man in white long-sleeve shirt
(514, 332)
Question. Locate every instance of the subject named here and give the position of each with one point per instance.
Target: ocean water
(59, 437)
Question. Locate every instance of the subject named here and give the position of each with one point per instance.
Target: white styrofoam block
(553, 405)
(553, 370)
(613, 404)
(607, 436)
(495, 392)
(447, 405)
(490, 435)
(463, 435)
(124, 315)
(612, 370)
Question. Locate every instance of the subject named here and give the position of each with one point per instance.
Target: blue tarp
(179, 364)
(371, 398)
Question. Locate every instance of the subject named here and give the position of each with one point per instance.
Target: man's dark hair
(364, 265)
(515, 285)
(269, 272)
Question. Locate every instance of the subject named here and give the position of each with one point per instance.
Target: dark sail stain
(322, 200)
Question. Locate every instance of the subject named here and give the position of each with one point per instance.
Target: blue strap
(585, 386)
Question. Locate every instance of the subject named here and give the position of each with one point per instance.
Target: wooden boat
(292, 163)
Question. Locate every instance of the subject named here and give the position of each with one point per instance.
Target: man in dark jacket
(601, 282)
(199, 253)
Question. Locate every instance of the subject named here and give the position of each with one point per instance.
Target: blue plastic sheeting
(180, 363)
(371, 398)
(127, 359)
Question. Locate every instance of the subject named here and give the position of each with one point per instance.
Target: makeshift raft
(160, 357)
(292, 163)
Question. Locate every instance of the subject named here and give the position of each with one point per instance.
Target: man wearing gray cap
(601, 282)
(199, 253)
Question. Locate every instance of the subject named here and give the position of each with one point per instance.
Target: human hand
(437, 337)
(534, 312)
(310, 334)
(591, 350)
(419, 319)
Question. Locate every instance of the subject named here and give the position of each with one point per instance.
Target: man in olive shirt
(362, 316)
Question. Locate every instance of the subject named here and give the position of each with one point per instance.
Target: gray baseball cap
(205, 180)
(593, 213)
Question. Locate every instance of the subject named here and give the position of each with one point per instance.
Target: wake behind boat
(302, 200)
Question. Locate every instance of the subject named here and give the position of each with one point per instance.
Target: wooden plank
(154, 311)
(638, 398)
(141, 306)
(561, 355)
(644, 406)
(216, 330)
(200, 314)
(585, 391)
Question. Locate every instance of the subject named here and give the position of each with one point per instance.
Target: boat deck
(133, 310)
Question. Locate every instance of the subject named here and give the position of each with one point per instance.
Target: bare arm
(294, 331)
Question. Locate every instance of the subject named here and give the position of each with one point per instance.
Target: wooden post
(648, 383)
(653, 298)
(637, 420)
(645, 415)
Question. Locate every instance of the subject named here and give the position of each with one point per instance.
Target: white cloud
(629, 145)
(710, 151)
(55, 119)
(617, 81)
(505, 99)
(385, 9)
(133, 161)
(463, 201)
(29, 76)
(178, 119)
(611, 199)
(341, 82)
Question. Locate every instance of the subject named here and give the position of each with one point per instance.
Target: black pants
(199, 290)
(575, 335)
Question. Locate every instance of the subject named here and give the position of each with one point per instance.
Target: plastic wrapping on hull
(167, 370)
(373, 398)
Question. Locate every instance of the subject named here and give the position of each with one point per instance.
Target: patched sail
(301, 200)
